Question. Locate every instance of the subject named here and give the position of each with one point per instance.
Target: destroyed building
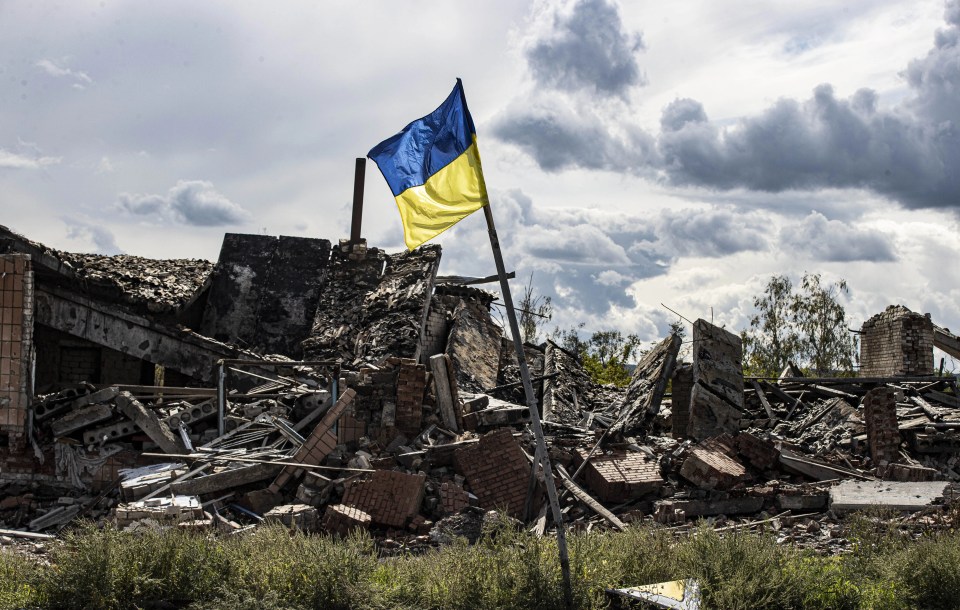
(335, 386)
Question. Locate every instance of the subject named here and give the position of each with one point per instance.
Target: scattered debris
(335, 387)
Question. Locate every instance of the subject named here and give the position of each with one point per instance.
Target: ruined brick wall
(621, 475)
(880, 418)
(411, 383)
(373, 307)
(436, 329)
(16, 345)
(264, 291)
(497, 471)
(474, 346)
(896, 342)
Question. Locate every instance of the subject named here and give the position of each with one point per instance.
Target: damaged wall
(896, 342)
(16, 345)
(264, 291)
(716, 400)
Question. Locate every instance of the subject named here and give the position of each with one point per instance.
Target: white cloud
(11, 160)
(80, 79)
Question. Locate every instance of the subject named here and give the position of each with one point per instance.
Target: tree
(535, 311)
(825, 343)
(772, 340)
(605, 355)
(807, 327)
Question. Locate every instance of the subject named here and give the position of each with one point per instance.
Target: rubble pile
(157, 286)
(407, 417)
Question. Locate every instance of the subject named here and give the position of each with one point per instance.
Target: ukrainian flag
(433, 169)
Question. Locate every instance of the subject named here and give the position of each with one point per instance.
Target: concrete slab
(895, 495)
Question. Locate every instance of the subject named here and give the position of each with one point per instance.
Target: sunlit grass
(272, 568)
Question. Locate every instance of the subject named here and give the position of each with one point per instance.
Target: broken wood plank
(182, 477)
(816, 469)
(763, 401)
(587, 499)
(227, 479)
(443, 392)
(926, 407)
(790, 400)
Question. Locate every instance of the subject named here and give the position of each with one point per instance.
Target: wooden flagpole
(532, 406)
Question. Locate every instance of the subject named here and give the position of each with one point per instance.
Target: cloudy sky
(637, 154)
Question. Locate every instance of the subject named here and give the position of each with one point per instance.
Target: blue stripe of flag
(426, 145)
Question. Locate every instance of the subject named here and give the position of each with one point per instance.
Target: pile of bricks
(712, 469)
(341, 519)
(880, 417)
(761, 453)
(497, 471)
(390, 498)
(295, 516)
(176, 509)
(318, 445)
(453, 498)
(621, 475)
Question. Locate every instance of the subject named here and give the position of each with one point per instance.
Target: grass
(272, 569)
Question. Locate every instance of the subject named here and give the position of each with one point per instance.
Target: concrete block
(158, 432)
(79, 419)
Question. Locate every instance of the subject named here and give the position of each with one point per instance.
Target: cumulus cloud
(713, 232)
(560, 133)
(908, 153)
(835, 241)
(80, 79)
(583, 45)
(582, 60)
(12, 160)
(192, 202)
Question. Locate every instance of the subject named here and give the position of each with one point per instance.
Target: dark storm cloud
(908, 154)
(583, 63)
(191, 202)
(834, 241)
(559, 135)
(586, 47)
(714, 232)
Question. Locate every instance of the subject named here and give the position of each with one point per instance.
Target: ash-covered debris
(405, 415)
(156, 286)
